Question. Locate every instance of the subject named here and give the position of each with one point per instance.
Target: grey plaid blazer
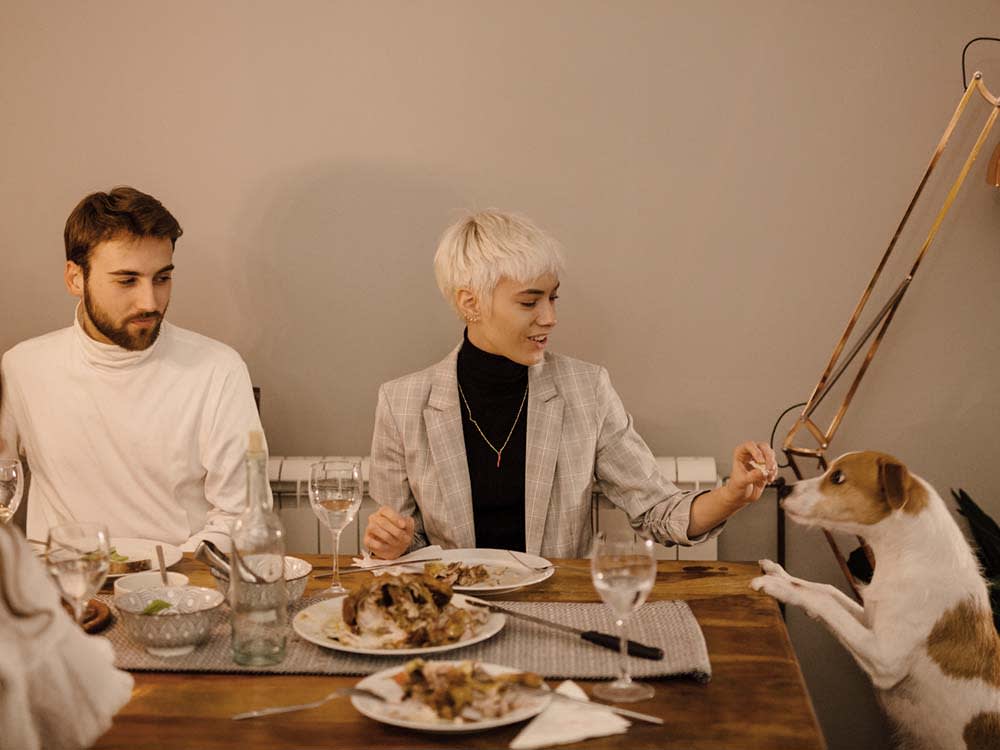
(580, 440)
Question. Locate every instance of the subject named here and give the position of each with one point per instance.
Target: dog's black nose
(784, 489)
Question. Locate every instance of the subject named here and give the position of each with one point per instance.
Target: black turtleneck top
(494, 387)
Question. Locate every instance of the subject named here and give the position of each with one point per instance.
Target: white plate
(145, 549)
(515, 577)
(309, 625)
(392, 713)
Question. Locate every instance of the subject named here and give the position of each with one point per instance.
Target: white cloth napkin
(424, 553)
(60, 686)
(563, 722)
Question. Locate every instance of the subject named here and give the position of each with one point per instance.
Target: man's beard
(143, 339)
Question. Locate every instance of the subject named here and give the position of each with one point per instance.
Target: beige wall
(724, 176)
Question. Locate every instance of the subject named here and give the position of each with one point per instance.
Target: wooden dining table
(757, 697)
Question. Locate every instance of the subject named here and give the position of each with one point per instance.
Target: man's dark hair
(122, 212)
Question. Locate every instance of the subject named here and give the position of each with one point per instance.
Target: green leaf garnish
(156, 606)
(116, 557)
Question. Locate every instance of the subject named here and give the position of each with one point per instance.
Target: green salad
(156, 606)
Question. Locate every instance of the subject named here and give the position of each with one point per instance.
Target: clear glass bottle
(257, 595)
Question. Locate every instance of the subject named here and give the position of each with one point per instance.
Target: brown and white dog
(925, 635)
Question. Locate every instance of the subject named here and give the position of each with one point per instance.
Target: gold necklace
(480, 429)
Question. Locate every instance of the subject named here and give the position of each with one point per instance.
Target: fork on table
(338, 693)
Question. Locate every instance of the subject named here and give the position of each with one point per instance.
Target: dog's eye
(838, 477)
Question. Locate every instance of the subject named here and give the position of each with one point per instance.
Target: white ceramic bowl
(148, 579)
(175, 631)
(297, 573)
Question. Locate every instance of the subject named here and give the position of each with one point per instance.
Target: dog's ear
(893, 478)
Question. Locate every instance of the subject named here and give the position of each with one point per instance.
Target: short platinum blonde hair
(480, 249)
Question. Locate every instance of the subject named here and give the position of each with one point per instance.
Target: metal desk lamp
(805, 426)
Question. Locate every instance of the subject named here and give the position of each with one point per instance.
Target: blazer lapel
(443, 418)
(545, 419)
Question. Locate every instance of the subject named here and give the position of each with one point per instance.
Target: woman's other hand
(754, 465)
(388, 534)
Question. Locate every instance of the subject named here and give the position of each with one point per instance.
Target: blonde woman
(503, 442)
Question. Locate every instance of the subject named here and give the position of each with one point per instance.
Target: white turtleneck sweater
(151, 443)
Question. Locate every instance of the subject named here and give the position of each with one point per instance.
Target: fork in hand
(339, 692)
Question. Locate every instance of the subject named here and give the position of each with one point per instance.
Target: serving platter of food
(135, 555)
(484, 571)
(452, 696)
(397, 615)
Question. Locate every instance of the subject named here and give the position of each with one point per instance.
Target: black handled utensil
(593, 636)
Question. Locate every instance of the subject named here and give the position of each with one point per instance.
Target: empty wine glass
(335, 492)
(11, 487)
(623, 570)
(78, 556)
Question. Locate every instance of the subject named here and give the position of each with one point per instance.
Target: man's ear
(73, 277)
(468, 305)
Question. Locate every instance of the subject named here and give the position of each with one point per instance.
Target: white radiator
(289, 477)
(688, 473)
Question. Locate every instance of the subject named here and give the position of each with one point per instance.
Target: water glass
(336, 489)
(623, 570)
(78, 556)
(11, 487)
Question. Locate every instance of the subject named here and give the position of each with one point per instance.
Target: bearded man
(123, 418)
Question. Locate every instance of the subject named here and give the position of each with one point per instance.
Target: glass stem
(79, 607)
(623, 675)
(335, 582)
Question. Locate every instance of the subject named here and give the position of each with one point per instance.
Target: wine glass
(335, 492)
(78, 556)
(623, 570)
(11, 487)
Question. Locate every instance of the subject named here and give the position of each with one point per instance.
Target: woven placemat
(523, 645)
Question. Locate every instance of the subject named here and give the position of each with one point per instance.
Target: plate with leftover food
(484, 571)
(489, 571)
(452, 696)
(397, 615)
(135, 555)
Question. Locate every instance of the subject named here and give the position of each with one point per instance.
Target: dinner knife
(593, 636)
(362, 569)
(594, 704)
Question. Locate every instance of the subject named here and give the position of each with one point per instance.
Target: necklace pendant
(498, 459)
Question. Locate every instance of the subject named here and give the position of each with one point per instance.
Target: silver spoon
(213, 557)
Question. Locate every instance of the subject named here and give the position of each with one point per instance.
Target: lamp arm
(849, 357)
